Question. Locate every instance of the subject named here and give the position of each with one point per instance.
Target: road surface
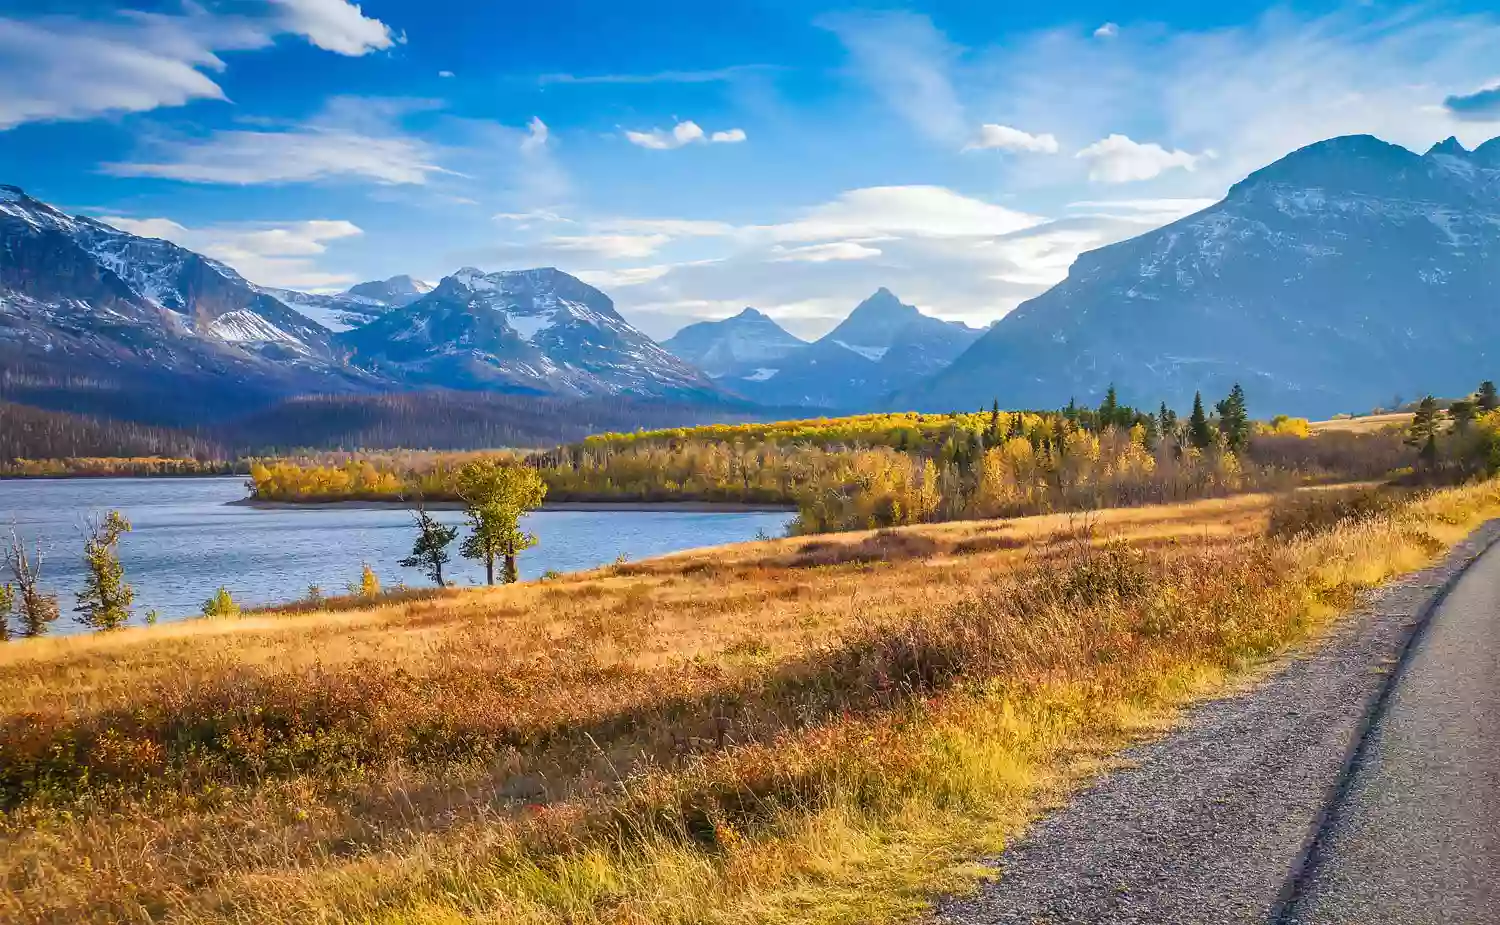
(1259, 809)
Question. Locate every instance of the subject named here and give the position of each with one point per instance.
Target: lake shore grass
(679, 507)
(820, 730)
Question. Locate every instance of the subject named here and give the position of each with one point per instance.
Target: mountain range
(1348, 272)
(883, 345)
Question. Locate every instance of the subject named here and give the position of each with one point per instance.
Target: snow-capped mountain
(358, 305)
(1344, 274)
(536, 330)
(83, 297)
(747, 341)
(883, 345)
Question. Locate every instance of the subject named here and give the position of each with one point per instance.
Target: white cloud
(611, 246)
(536, 136)
(66, 68)
(1119, 159)
(907, 61)
(822, 253)
(336, 25)
(920, 211)
(299, 155)
(1107, 31)
(1146, 211)
(683, 133)
(1006, 138)
(275, 254)
(445, 73)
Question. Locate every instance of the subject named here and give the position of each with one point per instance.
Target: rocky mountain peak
(1451, 146)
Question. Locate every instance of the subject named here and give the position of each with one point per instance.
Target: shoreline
(680, 507)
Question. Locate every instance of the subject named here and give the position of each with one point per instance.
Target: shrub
(1310, 512)
(221, 604)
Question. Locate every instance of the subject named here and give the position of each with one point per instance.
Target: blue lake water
(187, 540)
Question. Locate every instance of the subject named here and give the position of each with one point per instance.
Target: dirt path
(1214, 824)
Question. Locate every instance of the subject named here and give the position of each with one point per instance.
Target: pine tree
(430, 552)
(1234, 420)
(1109, 409)
(1463, 412)
(104, 602)
(1489, 400)
(995, 433)
(1422, 432)
(1199, 434)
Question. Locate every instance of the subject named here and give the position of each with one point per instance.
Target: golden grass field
(805, 730)
(1366, 424)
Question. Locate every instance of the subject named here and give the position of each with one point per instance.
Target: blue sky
(693, 158)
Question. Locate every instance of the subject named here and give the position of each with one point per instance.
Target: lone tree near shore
(496, 495)
(430, 552)
(104, 603)
(36, 609)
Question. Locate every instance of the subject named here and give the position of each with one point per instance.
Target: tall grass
(764, 734)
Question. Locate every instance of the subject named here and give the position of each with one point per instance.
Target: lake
(188, 540)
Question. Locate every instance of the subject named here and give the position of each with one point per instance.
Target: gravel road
(1416, 837)
(1213, 824)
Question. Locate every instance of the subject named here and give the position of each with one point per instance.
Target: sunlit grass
(770, 732)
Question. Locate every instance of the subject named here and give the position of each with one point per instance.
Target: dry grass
(786, 731)
(1369, 423)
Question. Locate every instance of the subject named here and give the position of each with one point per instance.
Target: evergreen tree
(1199, 434)
(1234, 420)
(1463, 412)
(104, 602)
(1422, 432)
(1166, 422)
(1489, 400)
(1109, 409)
(495, 496)
(995, 433)
(36, 609)
(430, 552)
(1071, 412)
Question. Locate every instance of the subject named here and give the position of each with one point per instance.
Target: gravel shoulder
(1213, 823)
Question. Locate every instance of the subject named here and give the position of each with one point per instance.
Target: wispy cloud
(279, 254)
(907, 61)
(69, 68)
(716, 75)
(353, 137)
(822, 253)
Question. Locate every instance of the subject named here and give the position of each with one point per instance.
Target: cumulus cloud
(822, 253)
(275, 254)
(1480, 106)
(1005, 138)
(1107, 31)
(683, 133)
(69, 68)
(335, 25)
(1119, 159)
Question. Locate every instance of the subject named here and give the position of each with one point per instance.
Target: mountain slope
(358, 305)
(883, 345)
(1347, 272)
(744, 342)
(539, 331)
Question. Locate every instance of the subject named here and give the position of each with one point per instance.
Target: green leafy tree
(1489, 399)
(1199, 434)
(222, 604)
(496, 495)
(1234, 420)
(35, 608)
(430, 551)
(104, 602)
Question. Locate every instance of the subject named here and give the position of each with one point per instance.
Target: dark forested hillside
(34, 433)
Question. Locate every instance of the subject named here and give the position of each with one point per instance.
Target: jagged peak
(750, 314)
(1488, 153)
(1345, 162)
(1450, 145)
